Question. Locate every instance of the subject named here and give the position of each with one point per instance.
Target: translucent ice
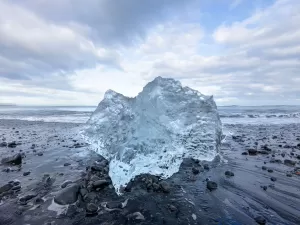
(154, 131)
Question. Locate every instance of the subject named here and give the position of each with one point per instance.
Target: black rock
(260, 220)
(40, 154)
(100, 184)
(67, 164)
(283, 154)
(206, 166)
(229, 174)
(67, 195)
(26, 198)
(26, 173)
(273, 179)
(252, 151)
(38, 201)
(274, 137)
(289, 162)
(12, 144)
(244, 153)
(96, 168)
(91, 208)
(289, 175)
(195, 170)
(16, 188)
(3, 144)
(5, 188)
(270, 170)
(15, 160)
(264, 168)
(165, 186)
(211, 185)
(265, 188)
(114, 205)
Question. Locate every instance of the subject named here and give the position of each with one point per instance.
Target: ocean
(228, 114)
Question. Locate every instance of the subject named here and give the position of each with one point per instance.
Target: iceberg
(154, 131)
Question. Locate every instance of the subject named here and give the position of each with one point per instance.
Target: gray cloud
(108, 21)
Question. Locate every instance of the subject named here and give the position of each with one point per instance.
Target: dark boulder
(273, 179)
(26, 198)
(14, 160)
(206, 166)
(252, 151)
(3, 144)
(100, 184)
(229, 174)
(67, 195)
(5, 188)
(211, 185)
(195, 170)
(12, 144)
(289, 162)
(26, 173)
(91, 208)
(260, 220)
(244, 153)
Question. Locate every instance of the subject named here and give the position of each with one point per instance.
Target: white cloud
(257, 57)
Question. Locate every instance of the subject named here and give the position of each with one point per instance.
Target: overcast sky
(69, 52)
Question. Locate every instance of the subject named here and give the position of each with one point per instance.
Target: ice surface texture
(154, 131)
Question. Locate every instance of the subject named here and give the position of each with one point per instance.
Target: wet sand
(265, 185)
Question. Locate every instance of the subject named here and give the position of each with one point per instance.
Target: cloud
(65, 51)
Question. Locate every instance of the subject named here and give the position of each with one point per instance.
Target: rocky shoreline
(50, 176)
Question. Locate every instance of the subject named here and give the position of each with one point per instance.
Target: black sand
(263, 189)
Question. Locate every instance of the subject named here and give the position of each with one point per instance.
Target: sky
(69, 52)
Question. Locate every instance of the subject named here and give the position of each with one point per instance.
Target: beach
(254, 180)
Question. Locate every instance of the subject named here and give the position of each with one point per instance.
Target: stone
(211, 185)
(265, 188)
(3, 144)
(289, 175)
(40, 154)
(165, 186)
(67, 195)
(27, 197)
(260, 220)
(252, 151)
(244, 153)
(67, 164)
(264, 168)
(12, 144)
(91, 208)
(195, 170)
(14, 160)
(5, 188)
(289, 162)
(206, 166)
(26, 173)
(229, 174)
(273, 179)
(270, 170)
(100, 184)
